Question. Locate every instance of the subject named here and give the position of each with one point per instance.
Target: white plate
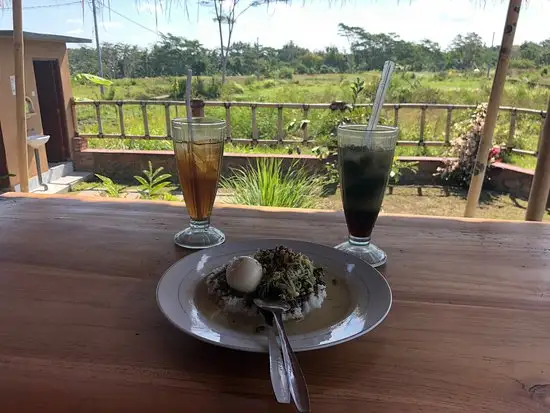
(366, 306)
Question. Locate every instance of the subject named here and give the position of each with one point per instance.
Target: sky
(314, 25)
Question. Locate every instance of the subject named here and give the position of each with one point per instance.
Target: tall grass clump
(268, 184)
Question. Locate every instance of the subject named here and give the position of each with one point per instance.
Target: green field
(443, 87)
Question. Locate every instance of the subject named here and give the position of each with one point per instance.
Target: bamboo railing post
(228, 136)
(512, 129)
(20, 115)
(167, 121)
(541, 134)
(305, 127)
(422, 125)
(254, 124)
(121, 119)
(74, 117)
(280, 133)
(396, 115)
(448, 125)
(540, 188)
(478, 174)
(98, 118)
(145, 120)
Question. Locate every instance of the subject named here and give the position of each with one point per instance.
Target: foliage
(210, 88)
(96, 80)
(397, 169)
(111, 189)
(153, 184)
(286, 73)
(357, 87)
(458, 171)
(171, 55)
(268, 184)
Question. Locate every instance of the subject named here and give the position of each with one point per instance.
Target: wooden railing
(198, 109)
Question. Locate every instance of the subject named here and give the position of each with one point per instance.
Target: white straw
(188, 86)
(383, 86)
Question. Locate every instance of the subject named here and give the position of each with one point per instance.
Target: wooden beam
(478, 174)
(540, 188)
(21, 120)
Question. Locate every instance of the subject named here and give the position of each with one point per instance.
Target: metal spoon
(277, 372)
(298, 386)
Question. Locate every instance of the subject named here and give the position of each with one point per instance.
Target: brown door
(4, 180)
(52, 109)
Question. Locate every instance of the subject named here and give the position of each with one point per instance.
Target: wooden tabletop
(80, 330)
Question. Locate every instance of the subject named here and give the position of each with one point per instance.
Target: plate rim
(282, 242)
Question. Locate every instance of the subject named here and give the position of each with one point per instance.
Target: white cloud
(111, 24)
(74, 21)
(150, 8)
(75, 31)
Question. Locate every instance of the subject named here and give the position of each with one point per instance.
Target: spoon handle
(298, 386)
(279, 378)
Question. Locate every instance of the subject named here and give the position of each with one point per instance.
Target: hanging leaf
(96, 80)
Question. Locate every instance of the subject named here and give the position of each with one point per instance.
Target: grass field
(444, 87)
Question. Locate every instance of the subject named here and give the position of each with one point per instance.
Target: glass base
(366, 251)
(199, 235)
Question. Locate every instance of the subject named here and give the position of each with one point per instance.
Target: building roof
(45, 37)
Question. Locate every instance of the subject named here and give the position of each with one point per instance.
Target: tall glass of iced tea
(199, 152)
(364, 162)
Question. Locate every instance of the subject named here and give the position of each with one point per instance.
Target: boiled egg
(244, 274)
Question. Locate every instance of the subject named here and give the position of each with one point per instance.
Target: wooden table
(80, 330)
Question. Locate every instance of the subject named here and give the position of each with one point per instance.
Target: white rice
(237, 305)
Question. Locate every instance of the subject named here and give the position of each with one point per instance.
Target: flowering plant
(458, 170)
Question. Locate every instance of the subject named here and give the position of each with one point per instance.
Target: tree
(467, 51)
(227, 12)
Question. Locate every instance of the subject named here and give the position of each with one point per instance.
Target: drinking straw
(383, 86)
(188, 103)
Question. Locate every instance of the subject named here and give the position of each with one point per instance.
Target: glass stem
(201, 225)
(358, 240)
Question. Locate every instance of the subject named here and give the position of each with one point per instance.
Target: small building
(48, 97)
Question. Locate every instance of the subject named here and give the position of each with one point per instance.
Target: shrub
(326, 69)
(286, 73)
(522, 64)
(233, 88)
(204, 89)
(111, 189)
(250, 80)
(458, 172)
(269, 185)
(269, 83)
(302, 69)
(153, 184)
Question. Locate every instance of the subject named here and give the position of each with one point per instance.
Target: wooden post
(255, 133)
(280, 133)
(396, 115)
(538, 197)
(478, 174)
(448, 125)
(228, 132)
(146, 119)
(21, 119)
(305, 127)
(512, 130)
(197, 108)
(422, 125)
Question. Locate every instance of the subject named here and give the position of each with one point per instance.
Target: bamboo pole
(21, 120)
(478, 174)
(538, 197)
